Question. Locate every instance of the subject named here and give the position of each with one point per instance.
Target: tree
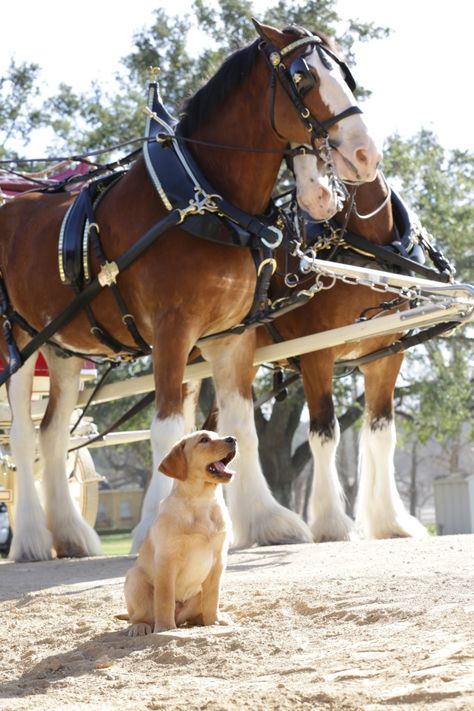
(19, 112)
(130, 463)
(437, 402)
(97, 119)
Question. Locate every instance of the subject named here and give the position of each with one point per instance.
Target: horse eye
(203, 440)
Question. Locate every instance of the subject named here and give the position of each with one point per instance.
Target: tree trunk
(413, 473)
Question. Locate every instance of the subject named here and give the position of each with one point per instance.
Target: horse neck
(244, 178)
(369, 196)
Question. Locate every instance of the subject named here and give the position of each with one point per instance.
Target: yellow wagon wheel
(83, 482)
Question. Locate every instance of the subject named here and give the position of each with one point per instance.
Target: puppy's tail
(122, 616)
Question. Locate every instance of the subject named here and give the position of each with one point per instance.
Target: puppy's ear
(175, 464)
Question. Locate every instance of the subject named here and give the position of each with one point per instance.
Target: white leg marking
(72, 535)
(327, 516)
(164, 434)
(256, 516)
(380, 510)
(31, 540)
(193, 388)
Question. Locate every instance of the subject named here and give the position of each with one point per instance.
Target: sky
(421, 76)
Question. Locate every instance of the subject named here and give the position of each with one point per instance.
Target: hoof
(335, 527)
(69, 549)
(78, 540)
(30, 548)
(401, 526)
(274, 526)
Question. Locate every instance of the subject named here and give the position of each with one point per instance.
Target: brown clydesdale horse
(380, 511)
(182, 288)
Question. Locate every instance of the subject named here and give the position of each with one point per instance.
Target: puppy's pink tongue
(220, 466)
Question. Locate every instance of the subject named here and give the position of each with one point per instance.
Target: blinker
(348, 78)
(302, 77)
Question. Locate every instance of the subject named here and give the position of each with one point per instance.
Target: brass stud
(274, 59)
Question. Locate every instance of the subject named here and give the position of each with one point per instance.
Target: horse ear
(175, 464)
(268, 33)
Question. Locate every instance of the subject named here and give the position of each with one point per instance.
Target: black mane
(200, 107)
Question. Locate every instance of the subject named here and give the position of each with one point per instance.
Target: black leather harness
(407, 253)
(188, 197)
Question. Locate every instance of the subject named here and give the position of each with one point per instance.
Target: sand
(362, 625)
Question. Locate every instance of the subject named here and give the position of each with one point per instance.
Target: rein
(380, 207)
(295, 81)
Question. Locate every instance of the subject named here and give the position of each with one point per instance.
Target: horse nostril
(361, 156)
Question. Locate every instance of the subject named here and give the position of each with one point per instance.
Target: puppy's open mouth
(219, 468)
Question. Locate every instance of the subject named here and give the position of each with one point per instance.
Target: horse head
(316, 83)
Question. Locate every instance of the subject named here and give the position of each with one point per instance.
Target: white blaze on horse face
(357, 157)
(313, 191)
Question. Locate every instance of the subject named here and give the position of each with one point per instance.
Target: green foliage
(439, 185)
(19, 114)
(189, 47)
(116, 543)
(130, 462)
(98, 119)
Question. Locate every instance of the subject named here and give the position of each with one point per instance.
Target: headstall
(296, 81)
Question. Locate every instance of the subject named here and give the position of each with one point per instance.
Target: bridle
(296, 81)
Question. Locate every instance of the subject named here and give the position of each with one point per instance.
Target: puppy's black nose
(231, 440)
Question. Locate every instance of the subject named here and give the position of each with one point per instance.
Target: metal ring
(306, 113)
(279, 238)
(262, 264)
(291, 280)
(93, 225)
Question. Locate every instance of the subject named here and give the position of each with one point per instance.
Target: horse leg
(31, 538)
(327, 517)
(257, 518)
(168, 425)
(72, 535)
(380, 512)
(191, 392)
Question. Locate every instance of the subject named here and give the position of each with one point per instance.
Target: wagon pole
(456, 308)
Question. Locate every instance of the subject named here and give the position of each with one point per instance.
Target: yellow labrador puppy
(178, 572)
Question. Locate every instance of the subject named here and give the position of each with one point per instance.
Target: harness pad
(73, 247)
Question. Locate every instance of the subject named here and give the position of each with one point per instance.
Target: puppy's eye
(204, 439)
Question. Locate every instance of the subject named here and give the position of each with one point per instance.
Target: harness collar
(179, 180)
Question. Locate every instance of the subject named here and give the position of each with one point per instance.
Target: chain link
(409, 294)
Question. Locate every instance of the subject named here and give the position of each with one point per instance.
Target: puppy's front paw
(220, 619)
(163, 628)
(139, 629)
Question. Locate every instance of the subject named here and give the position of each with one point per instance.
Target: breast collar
(406, 225)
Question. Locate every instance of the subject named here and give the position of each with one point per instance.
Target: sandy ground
(361, 625)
